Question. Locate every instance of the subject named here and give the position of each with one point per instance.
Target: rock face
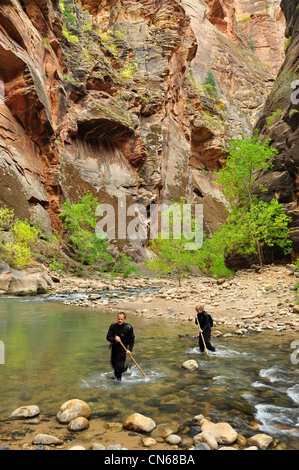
(280, 123)
(32, 280)
(109, 96)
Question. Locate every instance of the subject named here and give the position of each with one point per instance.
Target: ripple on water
(130, 378)
(221, 351)
(293, 393)
(277, 374)
(270, 418)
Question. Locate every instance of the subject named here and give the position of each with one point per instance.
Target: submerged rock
(190, 365)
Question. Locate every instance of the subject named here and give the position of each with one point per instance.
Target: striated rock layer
(109, 96)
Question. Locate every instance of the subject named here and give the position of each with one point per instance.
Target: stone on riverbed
(139, 423)
(260, 440)
(148, 441)
(173, 439)
(206, 438)
(190, 365)
(78, 424)
(25, 412)
(46, 439)
(222, 433)
(72, 409)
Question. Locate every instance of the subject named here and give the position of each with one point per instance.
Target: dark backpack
(210, 320)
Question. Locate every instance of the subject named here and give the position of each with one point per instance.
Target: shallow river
(55, 352)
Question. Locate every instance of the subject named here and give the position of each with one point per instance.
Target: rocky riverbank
(252, 301)
(77, 427)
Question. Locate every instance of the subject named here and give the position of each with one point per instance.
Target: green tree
(264, 224)
(79, 222)
(172, 255)
(210, 84)
(247, 158)
(251, 224)
(16, 250)
(210, 259)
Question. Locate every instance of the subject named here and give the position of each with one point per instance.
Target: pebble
(173, 439)
(202, 446)
(148, 441)
(96, 446)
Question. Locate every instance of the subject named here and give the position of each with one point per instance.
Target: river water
(55, 352)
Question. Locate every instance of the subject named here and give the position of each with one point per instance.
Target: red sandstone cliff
(109, 96)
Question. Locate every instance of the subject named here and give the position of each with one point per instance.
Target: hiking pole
(132, 358)
(204, 343)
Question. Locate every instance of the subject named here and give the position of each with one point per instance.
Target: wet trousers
(207, 338)
(118, 360)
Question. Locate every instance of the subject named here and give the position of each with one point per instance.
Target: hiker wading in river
(205, 322)
(120, 332)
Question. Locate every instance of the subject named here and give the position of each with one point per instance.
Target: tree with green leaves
(79, 222)
(16, 250)
(210, 84)
(174, 246)
(252, 224)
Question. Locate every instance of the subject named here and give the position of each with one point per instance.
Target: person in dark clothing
(202, 319)
(120, 331)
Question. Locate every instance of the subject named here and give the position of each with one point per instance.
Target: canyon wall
(110, 96)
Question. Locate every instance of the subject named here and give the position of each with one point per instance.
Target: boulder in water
(72, 409)
(223, 433)
(139, 423)
(190, 365)
(260, 440)
(25, 412)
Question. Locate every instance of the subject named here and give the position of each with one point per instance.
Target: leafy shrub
(17, 252)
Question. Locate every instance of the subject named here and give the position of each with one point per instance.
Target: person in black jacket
(120, 331)
(203, 320)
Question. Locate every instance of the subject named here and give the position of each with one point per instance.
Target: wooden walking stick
(132, 358)
(204, 343)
